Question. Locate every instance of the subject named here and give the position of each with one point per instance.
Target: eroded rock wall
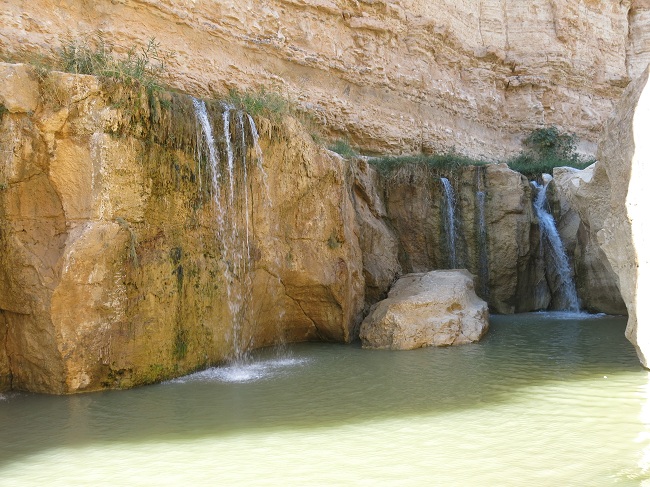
(114, 272)
(581, 203)
(510, 275)
(624, 155)
(604, 217)
(393, 76)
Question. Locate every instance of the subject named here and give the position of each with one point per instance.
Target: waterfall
(277, 258)
(207, 140)
(554, 253)
(229, 152)
(256, 140)
(450, 221)
(230, 214)
(240, 124)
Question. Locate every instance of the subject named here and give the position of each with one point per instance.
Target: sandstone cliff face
(510, 276)
(115, 269)
(605, 216)
(582, 206)
(399, 76)
(624, 152)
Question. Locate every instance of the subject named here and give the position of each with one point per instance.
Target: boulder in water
(434, 308)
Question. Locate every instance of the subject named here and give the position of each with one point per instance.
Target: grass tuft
(343, 148)
(544, 149)
(92, 54)
(437, 162)
(260, 103)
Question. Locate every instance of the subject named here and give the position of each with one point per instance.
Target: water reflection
(542, 401)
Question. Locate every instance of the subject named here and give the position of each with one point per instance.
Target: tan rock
(435, 308)
(379, 244)
(5, 367)
(623, 152)
(18, 89)
(583, 200)
(426, 75)
(513, 274)
(116, 272)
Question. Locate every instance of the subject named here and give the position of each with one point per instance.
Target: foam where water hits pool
(243, 371)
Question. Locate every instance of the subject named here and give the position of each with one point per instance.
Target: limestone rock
(513, 277)
(426, 75)
(379, 244)
(112, 273)
(623, 153)
(435, 308)
(18, 89)
(515, 274)
(583, 203)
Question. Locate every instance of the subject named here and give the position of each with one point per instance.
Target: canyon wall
(610, 199)
(496, 236)
(144, 241)
(401, 76)
(116, 267)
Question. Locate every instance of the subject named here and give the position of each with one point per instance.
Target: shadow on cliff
(330, 385)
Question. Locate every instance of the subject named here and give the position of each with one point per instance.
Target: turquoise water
(544, 399)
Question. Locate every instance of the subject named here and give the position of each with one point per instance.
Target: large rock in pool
(433, 308)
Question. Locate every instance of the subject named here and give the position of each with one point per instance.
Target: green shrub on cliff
(434, 162)
(92, 54)
(546, 148)
(265, 103)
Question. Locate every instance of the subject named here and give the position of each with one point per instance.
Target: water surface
(545, 399)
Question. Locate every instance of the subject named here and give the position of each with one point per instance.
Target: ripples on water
(544, 400)
(243, 371)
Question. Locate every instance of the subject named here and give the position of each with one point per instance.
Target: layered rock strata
(392, 75)
(436, 308)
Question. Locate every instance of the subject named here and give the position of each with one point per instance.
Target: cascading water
(240, 126)
(229, 152)
(555, 256)
(268, 202)
(231, 215)
(449, 220)
(483, 271)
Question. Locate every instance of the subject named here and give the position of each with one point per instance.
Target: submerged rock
(434, 308)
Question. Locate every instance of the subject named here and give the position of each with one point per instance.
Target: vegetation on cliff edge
(544, 149)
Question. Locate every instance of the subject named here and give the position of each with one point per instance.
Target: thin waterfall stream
(557, 261)
(449, 219)
(231, 215)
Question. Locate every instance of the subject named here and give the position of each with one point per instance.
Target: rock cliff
(124, 263)
(117, 266)
(610, 199)
(505, 260)
(393, 76)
